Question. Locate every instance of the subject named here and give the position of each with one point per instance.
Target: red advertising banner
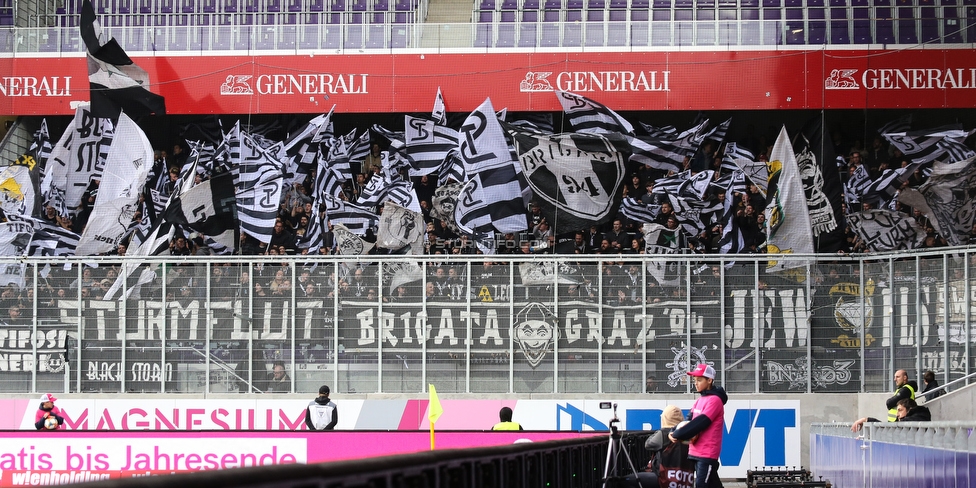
(625, 81)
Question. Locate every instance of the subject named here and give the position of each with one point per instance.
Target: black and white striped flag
(452, 169)
(924, 146)
(668, 154)
(733, 153)
(496, 196)
(590, 116)
(48, 239)
(637, 211)
(857, 184)
(427, 144)
(117, 84)
(354, 217)
(259, 188)
(439, 112)
(665, 132)
(732, 241)
(301, 150)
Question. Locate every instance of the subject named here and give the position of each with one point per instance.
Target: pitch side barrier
(577, 462)
(894, 455)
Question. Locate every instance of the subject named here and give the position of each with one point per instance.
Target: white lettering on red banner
(32, 86)
(314, 84)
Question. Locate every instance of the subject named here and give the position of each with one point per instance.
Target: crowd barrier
(472, 324)
(895, 455)
(579, 462)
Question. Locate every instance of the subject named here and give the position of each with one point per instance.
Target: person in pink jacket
(706, 427)
(47, 409)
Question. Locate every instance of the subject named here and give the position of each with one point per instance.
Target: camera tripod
(614, 451)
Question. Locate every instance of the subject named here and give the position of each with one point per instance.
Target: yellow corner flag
(434, 412)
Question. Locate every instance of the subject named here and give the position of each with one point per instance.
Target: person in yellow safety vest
(902, 390)
(505, 415)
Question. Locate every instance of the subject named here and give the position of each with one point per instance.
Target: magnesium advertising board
(109, 435)
(624, 81)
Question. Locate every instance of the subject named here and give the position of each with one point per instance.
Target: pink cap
(703, 370)
(47, 397)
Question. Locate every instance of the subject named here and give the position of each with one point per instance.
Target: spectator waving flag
(259, 188)
(732, 241)
(301, 147)
(817, 163)
(636, 211)
(668, 154)
(209, 208)
(948, 199)
(576, 178)
(857, 184)
(48, 239)
(495, 197)
(126, 169)
(355, 218)
(885, 230)
(788, 222)
(589, 116)
(117, 84)
(439, 113)
(427, 144)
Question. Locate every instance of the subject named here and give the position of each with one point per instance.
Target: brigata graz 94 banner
(750, 80)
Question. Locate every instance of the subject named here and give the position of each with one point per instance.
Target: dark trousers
(706, 473)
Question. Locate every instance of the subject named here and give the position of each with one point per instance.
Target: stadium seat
(928, 22)
(839, 26)
(750, 27)
(529, 29)
(728, 28)
(572, 29)
(482, 34)
(145, 6)
(208, 6)
(816, 24)
(549, 36)
(705, 27)
(594, 28)
(684, 27)
(553, 5)
(272, 6)
(660, 27)
(179, 32)
(617, 32)
(907, 23)
(505, 36)
(861, 26)
(639, 30)
(884, 27)
(795, 29)
(399, 36)
(771, 33)
(316, 6)
(164, 7)
(951, 23)
(308, 36)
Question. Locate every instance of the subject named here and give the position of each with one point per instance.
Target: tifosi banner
(752, 80)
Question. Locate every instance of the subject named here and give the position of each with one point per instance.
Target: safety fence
(477, 324)
(894, 455)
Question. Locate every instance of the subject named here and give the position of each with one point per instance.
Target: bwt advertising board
(757, 432)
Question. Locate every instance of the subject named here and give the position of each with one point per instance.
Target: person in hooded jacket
(47, 409)
(321, 413)
(706, 427)
(908, 411)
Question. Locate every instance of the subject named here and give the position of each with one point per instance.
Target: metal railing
(477, 324)
(355, 32)
(900, 454)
